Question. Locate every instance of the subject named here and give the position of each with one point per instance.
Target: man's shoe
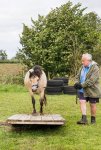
(93, 120)
(83, 120)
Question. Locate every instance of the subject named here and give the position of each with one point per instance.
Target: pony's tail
(45, 100)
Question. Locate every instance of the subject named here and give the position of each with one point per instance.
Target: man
(87, 84)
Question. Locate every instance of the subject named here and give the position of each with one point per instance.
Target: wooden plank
(36, 123)
(35, 118)
(46, 119)
(25, 118)
(18, 118)
(15, 117)
(58, 118)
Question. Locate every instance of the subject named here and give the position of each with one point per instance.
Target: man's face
(85, 61)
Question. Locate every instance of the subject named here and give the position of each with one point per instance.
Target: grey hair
(87, 56)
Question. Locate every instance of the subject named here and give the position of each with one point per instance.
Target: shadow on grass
(36, 128)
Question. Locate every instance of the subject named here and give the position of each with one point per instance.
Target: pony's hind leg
(33, 103)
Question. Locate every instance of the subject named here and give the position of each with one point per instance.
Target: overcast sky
(13, 13)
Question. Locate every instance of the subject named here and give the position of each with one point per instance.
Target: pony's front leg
(33, 103)
(33, 100)
(41, 106)
(41, 102)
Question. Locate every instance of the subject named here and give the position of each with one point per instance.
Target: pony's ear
(30, 74)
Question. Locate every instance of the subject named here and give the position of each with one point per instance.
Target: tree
(3, 55)
(57, 41)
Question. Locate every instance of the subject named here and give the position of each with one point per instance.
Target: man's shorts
(90, 99)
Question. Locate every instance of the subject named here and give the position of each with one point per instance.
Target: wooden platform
(46, 119)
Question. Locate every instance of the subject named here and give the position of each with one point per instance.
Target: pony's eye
(34, 76)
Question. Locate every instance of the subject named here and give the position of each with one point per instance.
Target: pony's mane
(37, 71)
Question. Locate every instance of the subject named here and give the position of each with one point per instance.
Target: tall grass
(11, 73)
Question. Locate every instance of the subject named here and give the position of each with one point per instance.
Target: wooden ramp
(46, 119)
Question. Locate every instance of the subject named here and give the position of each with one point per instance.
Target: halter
(36, 85)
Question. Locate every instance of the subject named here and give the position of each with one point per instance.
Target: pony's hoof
(41, 113)
(34, 112)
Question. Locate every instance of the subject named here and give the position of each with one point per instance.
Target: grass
(68, 137)
(11, 69)
(12, 88)
(11, 73)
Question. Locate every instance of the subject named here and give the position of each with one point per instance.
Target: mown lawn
(68, 137)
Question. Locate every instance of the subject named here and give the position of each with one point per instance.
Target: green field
(11, 73)
(68, 137)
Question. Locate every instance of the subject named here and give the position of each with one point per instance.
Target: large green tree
(57, 41)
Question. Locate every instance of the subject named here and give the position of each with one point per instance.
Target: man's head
(86, 59)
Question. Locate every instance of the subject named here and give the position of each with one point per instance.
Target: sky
(13, 13)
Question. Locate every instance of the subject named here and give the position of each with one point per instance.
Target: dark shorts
(90, 99)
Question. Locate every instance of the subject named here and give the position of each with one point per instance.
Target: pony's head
(37, 71)
(35, 76)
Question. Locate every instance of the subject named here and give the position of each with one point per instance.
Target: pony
(36, 81)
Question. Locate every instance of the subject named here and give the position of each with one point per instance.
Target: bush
(10, 79)
(19, 79)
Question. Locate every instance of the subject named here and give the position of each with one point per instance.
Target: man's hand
(78, 86)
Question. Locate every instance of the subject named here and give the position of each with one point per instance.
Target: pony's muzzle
(34, 87)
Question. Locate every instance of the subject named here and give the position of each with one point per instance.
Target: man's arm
(92, 79)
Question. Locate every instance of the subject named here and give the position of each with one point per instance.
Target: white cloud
(15, 12)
